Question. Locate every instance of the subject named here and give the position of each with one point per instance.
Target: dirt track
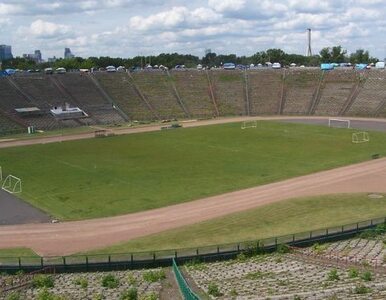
(70, 237)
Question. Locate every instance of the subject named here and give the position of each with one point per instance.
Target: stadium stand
(155, 86)
(41, 90)
(13, 98)
(145, 96)
(83, 92)
(119, 87)
(229, 91)
(301, 86)
(371, 97)
(336, 88)
(265, 91)
(8, 125)
(193, 88)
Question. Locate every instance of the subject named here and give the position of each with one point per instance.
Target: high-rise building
(68, 53)
(38, 56)
(5, 52)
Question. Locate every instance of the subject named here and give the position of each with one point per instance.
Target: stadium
(119, 170)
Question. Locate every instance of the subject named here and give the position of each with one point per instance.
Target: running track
(71, 237)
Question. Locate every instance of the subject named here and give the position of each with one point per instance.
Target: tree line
(334, 54)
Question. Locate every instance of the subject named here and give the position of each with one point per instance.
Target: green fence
(164, 258)
(186, 291)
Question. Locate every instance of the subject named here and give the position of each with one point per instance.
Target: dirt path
(71, 237)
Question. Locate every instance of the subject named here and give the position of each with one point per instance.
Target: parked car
(229, 66)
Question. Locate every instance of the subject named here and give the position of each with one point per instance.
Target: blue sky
(127, 28)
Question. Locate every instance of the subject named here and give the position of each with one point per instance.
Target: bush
(110, 281)
(252, 249)
(361, 289)
(154, 276)
(98, 297)
(319, 248)
(283, 248)
(241, 257)
(13, 296)
(130, 294)
(150, 296)
(353, 273)
(233, 292)
(131, 279)
(213, 290)
(196, 264)
(333, 275)
(83, 282)
(367, 276)
(43, 281)
(46, 295)
(258, 275)
(373, 233)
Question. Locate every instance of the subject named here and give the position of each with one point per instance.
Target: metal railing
(150, 259)
(186, 291)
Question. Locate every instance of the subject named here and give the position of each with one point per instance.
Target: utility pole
(309, 52)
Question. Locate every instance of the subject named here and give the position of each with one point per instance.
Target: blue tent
(3, 73)
(10, 71)
(360, 66)
(326, 67)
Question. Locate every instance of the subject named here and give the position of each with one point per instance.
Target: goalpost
(360, 137)
(249, 124)
(12, 184)
(339, 123)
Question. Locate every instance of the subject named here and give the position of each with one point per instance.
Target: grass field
(16, 252)
(123, 174)
(287, 217)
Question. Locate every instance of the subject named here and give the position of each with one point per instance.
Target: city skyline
(128, 28)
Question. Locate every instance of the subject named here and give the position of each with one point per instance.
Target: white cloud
(176, 17)
(130, 27)
(9, 9)
(41, 29)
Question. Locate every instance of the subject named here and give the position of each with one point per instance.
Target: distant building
(36, 56)
(5, 52)
(68, 53)
(52, 59)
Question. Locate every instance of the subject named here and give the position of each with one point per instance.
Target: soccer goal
(360, 137)
(12, 184)
(1, 174)
(249, 124)
(339, 123)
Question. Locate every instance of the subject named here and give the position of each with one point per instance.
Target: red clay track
(71, 237)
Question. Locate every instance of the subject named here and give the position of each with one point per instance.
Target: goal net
(339, 123)
(360, 137)
(249, 124)
(12, 184)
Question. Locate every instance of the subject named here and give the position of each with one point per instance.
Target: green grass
(16, 252)
(282, 218)
(122, 174)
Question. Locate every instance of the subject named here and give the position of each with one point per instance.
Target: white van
(276, 65)
(111, 69)
(380, 65)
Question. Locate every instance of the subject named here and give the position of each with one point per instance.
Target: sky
(127, 28)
